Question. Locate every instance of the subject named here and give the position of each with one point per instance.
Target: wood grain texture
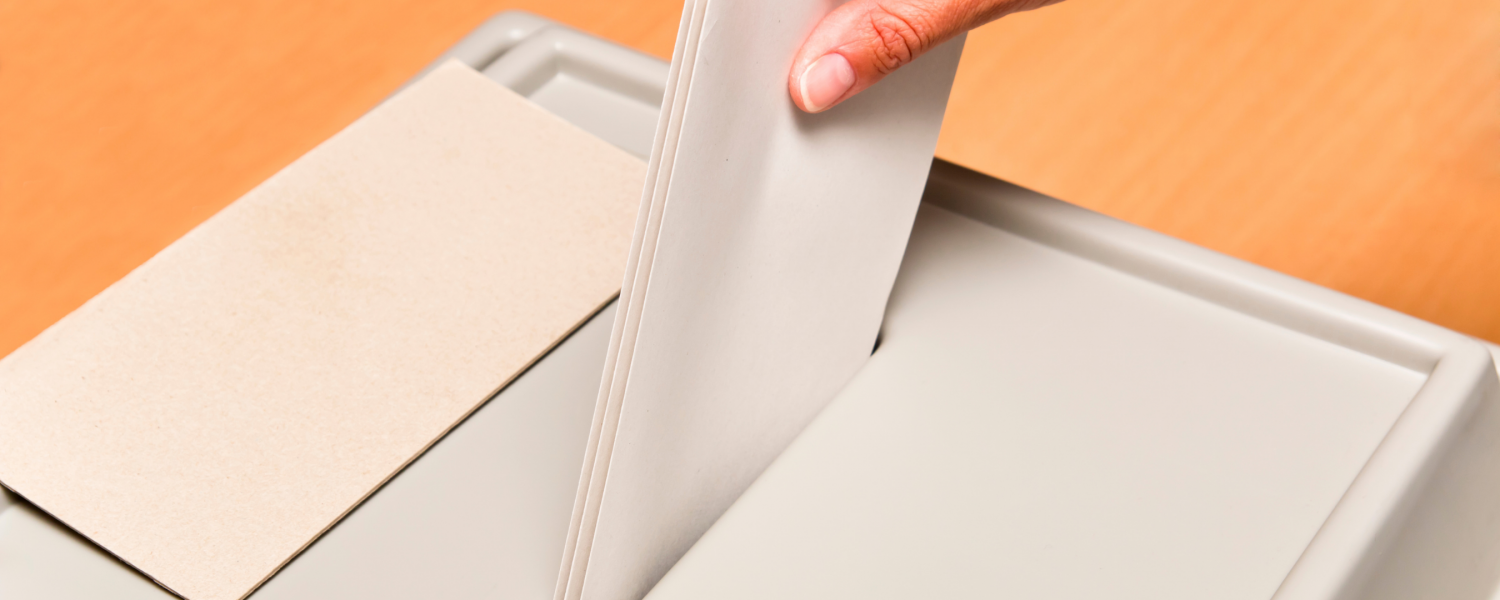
(1354, 143)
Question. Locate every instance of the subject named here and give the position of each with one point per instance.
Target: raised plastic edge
(488, 41)
(534, 62)
(1397, 482)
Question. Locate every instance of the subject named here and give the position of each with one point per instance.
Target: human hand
(862, 41)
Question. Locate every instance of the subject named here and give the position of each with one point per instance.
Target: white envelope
(766, 247)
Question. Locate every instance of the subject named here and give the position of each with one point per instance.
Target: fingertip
(824, 83)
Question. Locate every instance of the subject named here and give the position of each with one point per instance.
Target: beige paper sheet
(213, 412)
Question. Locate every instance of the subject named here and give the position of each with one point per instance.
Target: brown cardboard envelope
(213, 412)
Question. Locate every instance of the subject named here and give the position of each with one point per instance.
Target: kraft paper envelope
(213, 412)
(767, 244)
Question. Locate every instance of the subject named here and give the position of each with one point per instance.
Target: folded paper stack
(764, 252)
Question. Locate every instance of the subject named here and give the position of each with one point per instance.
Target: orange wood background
(1354, 143)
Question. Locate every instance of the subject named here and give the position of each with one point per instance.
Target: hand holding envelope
(861, 42)
(765, 249)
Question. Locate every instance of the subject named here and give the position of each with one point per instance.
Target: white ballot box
(1062, 405)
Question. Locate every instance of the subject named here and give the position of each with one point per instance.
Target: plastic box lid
(1063, 405)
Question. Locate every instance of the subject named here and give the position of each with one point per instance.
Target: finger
(861, 42)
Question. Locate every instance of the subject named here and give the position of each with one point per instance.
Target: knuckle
(895, 39)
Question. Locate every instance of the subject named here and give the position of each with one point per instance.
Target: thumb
(862, 41)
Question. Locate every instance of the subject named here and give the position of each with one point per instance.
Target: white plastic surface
(1075, 314)
(1035, 425)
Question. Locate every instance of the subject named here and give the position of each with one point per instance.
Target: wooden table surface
(1353, 143)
